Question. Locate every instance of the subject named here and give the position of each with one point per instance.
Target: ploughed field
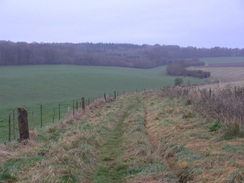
(224, 69)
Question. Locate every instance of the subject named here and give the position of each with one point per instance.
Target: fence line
(14, 124)
(9, 129)
(50, 116)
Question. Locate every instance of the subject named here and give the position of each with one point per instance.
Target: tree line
(104, 54)
(178, 68)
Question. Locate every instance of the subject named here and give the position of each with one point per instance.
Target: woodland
(105, 54)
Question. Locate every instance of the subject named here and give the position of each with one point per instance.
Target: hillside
(140, 137)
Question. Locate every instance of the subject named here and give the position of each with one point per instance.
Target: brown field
(224, 74)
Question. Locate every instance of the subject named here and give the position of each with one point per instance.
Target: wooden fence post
(41, 115)
(105, 97)
(59, 111)
(23, 124)
(9, 128)
(83, 103)
(53, 115)
(73, 108)
(114, 94)
(33, 120)
(14, 124)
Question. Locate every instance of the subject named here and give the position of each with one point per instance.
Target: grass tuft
(232, 131)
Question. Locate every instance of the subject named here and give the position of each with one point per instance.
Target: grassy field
(49, 85)
(222, 59)
(137, 138)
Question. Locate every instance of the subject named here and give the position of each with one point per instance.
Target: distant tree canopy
(178, 68)
(101, 54)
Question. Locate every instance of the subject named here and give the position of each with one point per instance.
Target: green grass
(22, 85)
(128, 155)
(140, 137)
(222, 59)
(49, 85)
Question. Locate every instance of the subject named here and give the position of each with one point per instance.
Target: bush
(178, 81)
(225, 105)
(232, 131)
(215, 127)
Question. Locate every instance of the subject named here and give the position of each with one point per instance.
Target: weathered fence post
(114, 94)
(23, 124)
(41, 115)
(33, 120)
(73, 108)
(14, 124)
(9, 128)
(59, 112)
(210, 92)
(83, 103)
(53, 115)
(105, 97)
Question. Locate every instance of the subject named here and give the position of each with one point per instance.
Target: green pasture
(222, 59)
(51, 85)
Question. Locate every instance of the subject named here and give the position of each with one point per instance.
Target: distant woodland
(104, 54)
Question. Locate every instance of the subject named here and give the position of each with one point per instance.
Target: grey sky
(201, 23)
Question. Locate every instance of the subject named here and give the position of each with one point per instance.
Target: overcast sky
(200, 23)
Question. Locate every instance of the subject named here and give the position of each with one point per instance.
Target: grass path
(110, 167)
(128, 154)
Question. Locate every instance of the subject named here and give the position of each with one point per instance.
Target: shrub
(178, 81)
(215, 127)
(225, 105)
(232, 131)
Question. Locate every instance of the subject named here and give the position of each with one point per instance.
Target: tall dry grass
(224, 104)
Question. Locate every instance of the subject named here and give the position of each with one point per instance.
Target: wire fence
(43, 115)
(39, 116)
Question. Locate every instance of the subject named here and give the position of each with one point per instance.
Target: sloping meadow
(150, 136)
